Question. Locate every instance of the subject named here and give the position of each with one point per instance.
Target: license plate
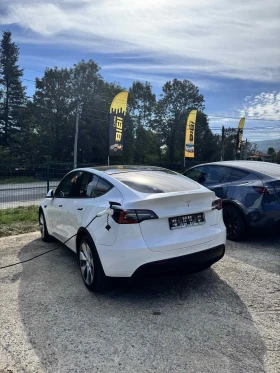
(186, 221)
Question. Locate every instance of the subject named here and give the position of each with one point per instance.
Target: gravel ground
(225, 319)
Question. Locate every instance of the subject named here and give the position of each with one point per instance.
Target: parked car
(250, 192)
(151, 219)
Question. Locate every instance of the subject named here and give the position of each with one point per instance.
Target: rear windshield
(156, 182)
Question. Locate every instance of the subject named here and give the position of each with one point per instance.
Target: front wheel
(91, 267)
(43, 228)
(234, 222)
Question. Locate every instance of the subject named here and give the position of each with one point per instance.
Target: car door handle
(80, 208)
(60, 205)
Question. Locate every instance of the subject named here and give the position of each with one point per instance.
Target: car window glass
(102, 187)
(89, 184)
(69, 186)
(237, 174)
(156, 182)
(196, 174)
(216, 174)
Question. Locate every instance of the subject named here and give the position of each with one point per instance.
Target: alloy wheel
(42, 225)
(86, 263)
(234, 223)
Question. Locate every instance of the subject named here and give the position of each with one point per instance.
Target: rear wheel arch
(235, 221)
(234, 204)
(101, 280)
(80, 234)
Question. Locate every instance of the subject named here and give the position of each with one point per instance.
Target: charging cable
(109, 211)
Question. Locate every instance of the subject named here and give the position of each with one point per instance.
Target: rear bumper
(190, 263)
(264, 219)
(124, 261)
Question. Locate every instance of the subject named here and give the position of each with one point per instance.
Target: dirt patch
(18, 228)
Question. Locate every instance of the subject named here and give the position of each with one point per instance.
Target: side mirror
(50, 194)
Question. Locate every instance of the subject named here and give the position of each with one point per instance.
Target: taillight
(261, 190)
(217, 204)
(133, 216)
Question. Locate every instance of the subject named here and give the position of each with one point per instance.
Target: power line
(247, 118)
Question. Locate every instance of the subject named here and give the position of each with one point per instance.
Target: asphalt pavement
(222, 320)
(23, 194)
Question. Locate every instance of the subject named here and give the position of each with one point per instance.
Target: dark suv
(250, 191)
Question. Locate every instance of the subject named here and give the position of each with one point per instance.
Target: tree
(12, 93)
(94, 97)
(177, 100)
(54, 114)
(247, 149)
(272, 153)
(207, 145)
(141, 106)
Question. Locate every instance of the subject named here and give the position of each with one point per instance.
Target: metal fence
(26, 185)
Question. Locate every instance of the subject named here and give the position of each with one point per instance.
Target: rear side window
(90, 183)
(102, 187)
(156, 182)
(196, 174)
(216, 174)
(237, 174)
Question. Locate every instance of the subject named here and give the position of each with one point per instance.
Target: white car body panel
(126, 247)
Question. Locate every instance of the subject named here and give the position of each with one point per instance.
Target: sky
(229, 49)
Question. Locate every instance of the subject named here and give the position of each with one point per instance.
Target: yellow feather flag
(190, 132)
(117, 113)
(239, 137)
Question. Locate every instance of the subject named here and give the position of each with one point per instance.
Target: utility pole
(76, 137)
(223, 144)
(245, 150)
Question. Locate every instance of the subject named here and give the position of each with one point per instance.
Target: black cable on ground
(46, 252)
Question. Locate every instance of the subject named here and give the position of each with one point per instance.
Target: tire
(235, 223)
(90, 266)
(43, 228)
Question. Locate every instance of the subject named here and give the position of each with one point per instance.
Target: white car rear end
(161, 221)
(153, 201)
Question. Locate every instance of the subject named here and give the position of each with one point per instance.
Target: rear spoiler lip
(201, 190)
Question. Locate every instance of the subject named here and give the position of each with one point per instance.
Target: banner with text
(190, 131)
(117, 113)
(239, 137)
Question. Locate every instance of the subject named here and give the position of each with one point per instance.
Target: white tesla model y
(125, 221)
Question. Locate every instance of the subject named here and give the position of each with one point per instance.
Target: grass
(18, 180)
(18, 220)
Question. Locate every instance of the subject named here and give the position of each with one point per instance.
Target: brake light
(217, 204)
(133, 216)
(261, 190)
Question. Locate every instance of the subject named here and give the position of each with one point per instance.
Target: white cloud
(264, 105)
(221, 38)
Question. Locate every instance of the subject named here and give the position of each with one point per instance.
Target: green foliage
(273, 155)
(18, 220)
(177, 100)
(18, 180)
(12, 93)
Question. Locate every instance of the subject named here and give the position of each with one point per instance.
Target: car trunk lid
(158, 234)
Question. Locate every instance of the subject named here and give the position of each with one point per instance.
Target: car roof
(116, 169)
(109, 170)
(266, 168)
